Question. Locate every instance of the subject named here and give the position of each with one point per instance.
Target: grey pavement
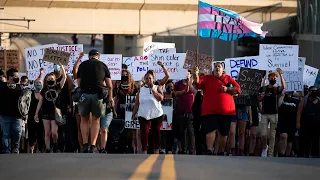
(123, 166)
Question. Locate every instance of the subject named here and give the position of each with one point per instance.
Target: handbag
(60, 119)
(76, 94)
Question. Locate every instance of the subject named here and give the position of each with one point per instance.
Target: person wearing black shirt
(94, 79)
(11, 118)
(269, 98)
(48, 101)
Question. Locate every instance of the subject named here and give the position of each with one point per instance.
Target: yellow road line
(168, 170)
(144, 169)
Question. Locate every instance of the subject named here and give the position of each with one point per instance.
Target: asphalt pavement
(153, 167)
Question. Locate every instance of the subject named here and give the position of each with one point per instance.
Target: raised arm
(283, 82)
(192, 88)
(41, 73)
(196, 75)
(76, 65)
(64, 76)
(158, 94)
(164, 80)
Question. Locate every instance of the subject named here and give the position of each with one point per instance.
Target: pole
(198, 40)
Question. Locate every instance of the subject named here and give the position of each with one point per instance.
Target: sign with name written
(75, 51)
(56, 56)
(2, 61)
(148, 47)
(250, 80)
(309, 75)
(140, 66)
(114, 63)
(279, 56)
(172, 62)
(233, 65)
(129, 123)
(164, 51)
(204, 62)
(13, 58)
(34, 60)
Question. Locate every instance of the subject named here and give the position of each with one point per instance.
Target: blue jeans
(106, 120)
(10, 126)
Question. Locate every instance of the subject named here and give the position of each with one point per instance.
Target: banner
(233, 65)
(34, 62)
(279, 56)
(172, 62)
(114, 63)
(75, 51)
(140, 66)
(204, 62)
(309, 75)
(13, 59)
(148, 47)
(56, 56)
(164, 51)
(294, 79)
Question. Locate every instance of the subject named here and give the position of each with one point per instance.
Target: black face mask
(16, 80)
(272, 81)
(314, 94)
(124, 78)
(169, 89)
(50, 83)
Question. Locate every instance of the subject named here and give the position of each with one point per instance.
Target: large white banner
(279, 56)
(148, 47)
(233, 65)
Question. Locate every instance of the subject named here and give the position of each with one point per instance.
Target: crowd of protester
(207, 118)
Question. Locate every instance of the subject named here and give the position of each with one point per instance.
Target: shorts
(242, 114)
(218, 122)
(106, 120)
(48, 116)
(91, 103)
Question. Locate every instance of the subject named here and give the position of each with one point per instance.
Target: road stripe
(144, 169)
(168, 170)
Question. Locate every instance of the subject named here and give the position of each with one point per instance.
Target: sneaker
(162, 151)
(55, 148)
(209, 152)
(47, 151)
(92, 149)
(31, 149)
(85, 148)
(103, 151)
(265, 152)
(16, 151)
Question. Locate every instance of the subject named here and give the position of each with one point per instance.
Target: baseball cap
(93, 52)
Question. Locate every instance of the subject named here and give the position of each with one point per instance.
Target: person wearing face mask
(308, 121)
(269, 102)
(35, 126)
(49, 99)
(11, 123)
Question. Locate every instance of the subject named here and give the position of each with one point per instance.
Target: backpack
(305, 101)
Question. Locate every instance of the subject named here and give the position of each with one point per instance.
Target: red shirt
(184, 102)
(215, 101)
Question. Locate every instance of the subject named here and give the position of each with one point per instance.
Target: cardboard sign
(204, 62)
(56, 57)
(13, 59)
(250, 80)
(114, 63)
(2, 61)
(164, 51)
(75, 51)
(233, 65)
(172, 62)
(279, 56)
(309, 75)
(148, 47)
(140, 66)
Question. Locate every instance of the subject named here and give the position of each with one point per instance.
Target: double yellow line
(168, 171)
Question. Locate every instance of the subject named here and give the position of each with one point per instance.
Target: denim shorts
(242, 114)
(106, 120)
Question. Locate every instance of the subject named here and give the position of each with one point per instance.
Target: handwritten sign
(114, 63)
(167, 106)
(279, 56)
(127, 61)
(129, 123)
(172, 62)
(233, 65)
(294, 79)
(250, 80)
(56, 56)
(34, 60)
(2, 61)
(164, 51)
(148, 47)
(310, 75)
(204, 62)
(75, 51)
(140, 66)
(13, 59)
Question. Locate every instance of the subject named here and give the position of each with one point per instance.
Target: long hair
(45, 84)
(130, 81)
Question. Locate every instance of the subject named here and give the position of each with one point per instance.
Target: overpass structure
(130, 17)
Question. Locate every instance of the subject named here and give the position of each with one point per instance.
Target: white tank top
(149, 107)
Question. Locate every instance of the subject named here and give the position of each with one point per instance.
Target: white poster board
(294, 79)
(309, 75)
(140, 66)
(34, 62)
(172, 62)
(233, 65)
(279, 56)
(129, 123)
(164, 51)
(75, 50)
(148, 47)
(114, 63)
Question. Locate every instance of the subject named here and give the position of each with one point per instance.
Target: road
(154, 167)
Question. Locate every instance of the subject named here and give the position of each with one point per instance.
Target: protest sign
(148, 47)
(164, 51)
(172, 62)
(129, 123)
(34, 62)
(250, 80)
(140, 66)
(233, 65)
(114, 63)
(242, 100)
(13, 59)
(204, 62)
(309, 75)
(2, 60)
(75, 51)
(294, 79)
(56, 57)
(167, 106)
(279, 56)
(127, 61)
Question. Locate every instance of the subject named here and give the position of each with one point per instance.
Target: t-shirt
(9, 96)
(184, 102)
(288, 112)
(93, 74)
(50, 97)
(121, 106)
(215, 101)
(270, 100)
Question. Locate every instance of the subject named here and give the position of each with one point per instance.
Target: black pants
(71, 134)
(185, 128)
(35, 133)
(198, 135)
(310, 136)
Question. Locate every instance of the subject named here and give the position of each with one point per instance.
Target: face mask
(50, 83)
(38, 87)
(124, 78)
(169, 89)
(56, 68)
(314, 94)
(272, 81)
(16, 80)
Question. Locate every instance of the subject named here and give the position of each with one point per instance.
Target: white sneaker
(265, 152)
